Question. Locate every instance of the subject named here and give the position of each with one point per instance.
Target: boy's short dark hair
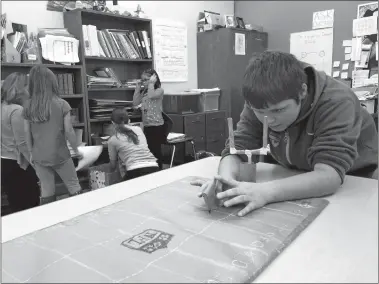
(272, 77)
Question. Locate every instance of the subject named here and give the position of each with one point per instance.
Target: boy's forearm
(313, 184)
(228, 167)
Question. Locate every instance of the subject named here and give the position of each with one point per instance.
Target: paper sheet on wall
(348, 49)
(314, 47)
(336, 64)
(323, 19)
(356, 49)
(346, 42)
(359, 77)
(239, 44)
(345, 66)
(170, 50)
(365, 26)
(336, 74)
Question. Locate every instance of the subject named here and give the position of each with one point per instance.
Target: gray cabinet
(219, 66)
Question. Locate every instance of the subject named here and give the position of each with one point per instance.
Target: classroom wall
(35, 15)
(281, 18)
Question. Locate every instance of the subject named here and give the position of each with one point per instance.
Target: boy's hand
(255, 195)
(205, 186)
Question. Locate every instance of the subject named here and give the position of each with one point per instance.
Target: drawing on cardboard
(305, 54)
(163, 235)
(148, 241)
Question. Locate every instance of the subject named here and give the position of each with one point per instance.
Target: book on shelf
(65, 83)
(102, 108)
(74, 114)
(116, 43)
(105, 78)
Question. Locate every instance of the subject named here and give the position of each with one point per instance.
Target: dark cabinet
(208, 130)
(219, 66)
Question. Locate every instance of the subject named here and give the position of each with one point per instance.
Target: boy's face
(281, 115)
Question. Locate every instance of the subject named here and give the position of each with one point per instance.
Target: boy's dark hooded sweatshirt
(332, 128)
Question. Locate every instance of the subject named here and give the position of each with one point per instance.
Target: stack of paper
(60, 49)
(172, 136)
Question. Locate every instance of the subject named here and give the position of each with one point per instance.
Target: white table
(341, 245)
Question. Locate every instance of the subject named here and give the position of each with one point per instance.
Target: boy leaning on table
(316, 124)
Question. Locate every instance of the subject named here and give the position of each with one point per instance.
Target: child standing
(149, 94)
(18, 178)
(130, 147)
(47, 128)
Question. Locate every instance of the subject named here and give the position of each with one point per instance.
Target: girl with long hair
(129, 146)
(149, 94)
(47, 126)
(18, 178)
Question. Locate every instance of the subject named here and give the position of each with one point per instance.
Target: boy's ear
(304, 91)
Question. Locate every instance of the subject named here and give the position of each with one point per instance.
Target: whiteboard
(170, 50)
(314, 47)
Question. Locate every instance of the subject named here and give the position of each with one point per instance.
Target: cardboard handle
(231, 133)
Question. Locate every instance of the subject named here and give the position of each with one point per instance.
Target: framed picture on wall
(367, 10)
(240, 23)
(230, 21)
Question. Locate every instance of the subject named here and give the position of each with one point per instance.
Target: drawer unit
(215, 143)
(215, 121)
(208, 131)
(194, 125)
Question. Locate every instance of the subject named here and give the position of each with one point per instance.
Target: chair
(173, 143)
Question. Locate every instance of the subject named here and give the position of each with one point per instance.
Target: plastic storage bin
(209, 99)
(181, 102)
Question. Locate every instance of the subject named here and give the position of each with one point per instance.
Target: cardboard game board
(163, 235)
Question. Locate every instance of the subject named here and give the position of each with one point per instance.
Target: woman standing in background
(149, 94)
(18, 178)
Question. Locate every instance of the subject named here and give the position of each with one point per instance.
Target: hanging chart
(170, 50)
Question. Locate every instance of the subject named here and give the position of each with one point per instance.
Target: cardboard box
(208, 21)
(101, 176)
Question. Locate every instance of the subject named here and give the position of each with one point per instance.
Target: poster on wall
(314, 47)
(239, 44)
(323, 19)
(370, 11)
(367, 10)
(170, 50)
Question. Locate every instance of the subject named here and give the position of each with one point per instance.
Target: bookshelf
(76, 99)
(125, 68)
